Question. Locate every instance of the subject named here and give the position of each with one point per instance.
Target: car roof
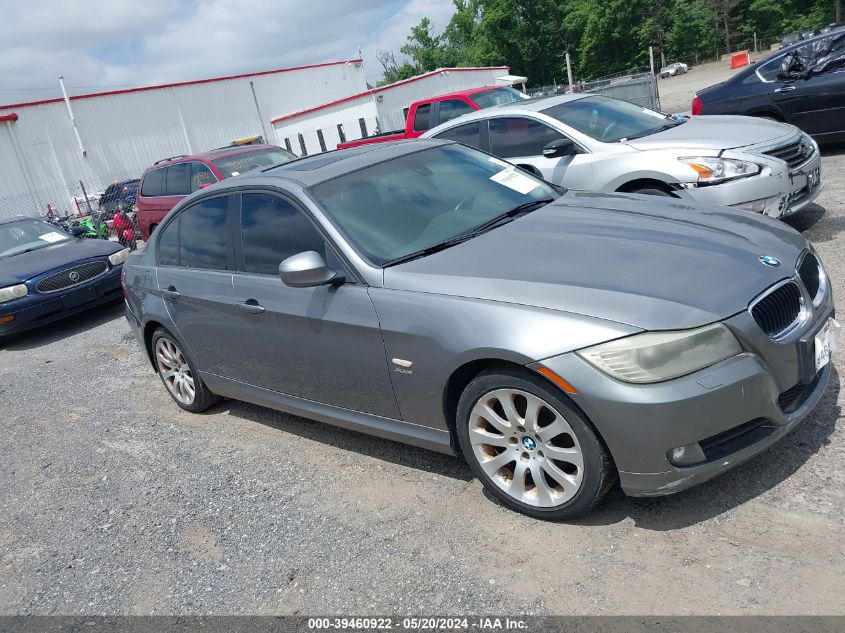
(464, 93)
(17, 218)
(313, 170)
(212, 154)
(537, 104)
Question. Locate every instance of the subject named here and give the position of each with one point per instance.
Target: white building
(378, 109)
(112, 136)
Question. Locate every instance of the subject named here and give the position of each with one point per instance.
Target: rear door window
(468, 134)
(168, 244)
(153, 183)
(204, 235)
(422, 118)
(517, 136)
(176, 181)
(451, 109)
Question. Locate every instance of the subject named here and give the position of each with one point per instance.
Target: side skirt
(387, 428)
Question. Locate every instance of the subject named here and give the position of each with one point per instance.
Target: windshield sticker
(499, 162)
(513, 179)
(52, 237)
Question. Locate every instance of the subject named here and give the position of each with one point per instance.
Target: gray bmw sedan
(429, 293)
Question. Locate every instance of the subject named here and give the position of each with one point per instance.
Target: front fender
(438, 334)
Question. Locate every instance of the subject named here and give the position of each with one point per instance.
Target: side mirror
(78, 231)
(306, 270)
(560, 147)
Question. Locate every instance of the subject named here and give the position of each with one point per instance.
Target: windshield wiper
(662, 128)
(492, 223)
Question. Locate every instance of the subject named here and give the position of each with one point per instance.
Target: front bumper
(777, 191)
(37, 309)
(733, 410)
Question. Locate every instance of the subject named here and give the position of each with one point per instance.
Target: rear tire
(530, 447)
(178, 374)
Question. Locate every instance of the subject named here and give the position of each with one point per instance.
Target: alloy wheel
(175, 371)
(526, 447)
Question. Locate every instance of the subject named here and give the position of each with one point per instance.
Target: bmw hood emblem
(768, 260)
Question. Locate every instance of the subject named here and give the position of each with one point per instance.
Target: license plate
(826, 342)
(813, 177)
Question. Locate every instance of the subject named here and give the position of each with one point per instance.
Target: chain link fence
(637, 86)
(104, 209)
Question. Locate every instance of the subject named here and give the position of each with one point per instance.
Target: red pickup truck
(424, 115)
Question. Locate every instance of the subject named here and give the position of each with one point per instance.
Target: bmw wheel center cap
(529, 443)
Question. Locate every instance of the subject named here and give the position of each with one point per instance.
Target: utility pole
(755, 41)
(569, 71)
(70, 112)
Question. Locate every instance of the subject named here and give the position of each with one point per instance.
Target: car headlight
(116, 259)
(658, 356)
(712, 170)
(10, 293)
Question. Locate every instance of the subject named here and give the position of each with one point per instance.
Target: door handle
(171, 293)
(785, 89)
(251, 306)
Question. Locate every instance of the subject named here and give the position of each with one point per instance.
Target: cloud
(101, 44)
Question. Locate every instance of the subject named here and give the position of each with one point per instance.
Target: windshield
(28, 235)
(609, 120)
(239, 163)
(497, 96)
(422, 199)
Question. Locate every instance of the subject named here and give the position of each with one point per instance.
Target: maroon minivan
(171, 179)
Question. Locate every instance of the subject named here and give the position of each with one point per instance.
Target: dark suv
(119, 194)
(171, 179)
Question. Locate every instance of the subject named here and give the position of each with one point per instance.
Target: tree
(724, 10)
(393, 71)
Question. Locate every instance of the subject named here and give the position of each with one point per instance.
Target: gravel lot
(114, 501)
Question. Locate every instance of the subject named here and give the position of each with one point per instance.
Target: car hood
(638, 260)
(18, 268)
(715, 133)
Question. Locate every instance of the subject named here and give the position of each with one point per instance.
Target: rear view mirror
(306, 270)
(560, 147)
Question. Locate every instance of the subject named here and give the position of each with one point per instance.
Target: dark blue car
(46, 274)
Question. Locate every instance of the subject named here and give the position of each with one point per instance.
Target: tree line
(602, 37)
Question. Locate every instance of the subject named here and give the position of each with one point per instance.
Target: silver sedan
(424, 292)
(597, 143)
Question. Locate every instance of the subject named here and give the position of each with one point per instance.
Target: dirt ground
(114, 501)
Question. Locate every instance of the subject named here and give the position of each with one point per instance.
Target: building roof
(178, 84)
(375, 91)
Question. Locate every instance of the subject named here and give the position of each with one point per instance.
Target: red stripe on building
(178, 84)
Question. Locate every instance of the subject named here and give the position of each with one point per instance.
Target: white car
(678, 68)
(597, 143)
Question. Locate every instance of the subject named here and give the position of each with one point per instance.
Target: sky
(111, 44)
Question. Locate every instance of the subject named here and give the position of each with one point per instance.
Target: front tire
(530, 448)
(652, 191)
(178, 374)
